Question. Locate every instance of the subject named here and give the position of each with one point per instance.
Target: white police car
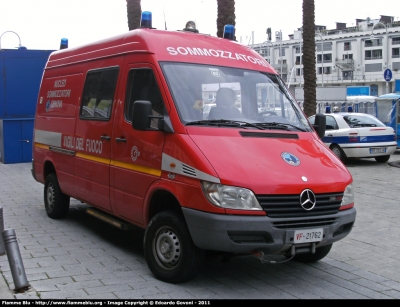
(358, 135)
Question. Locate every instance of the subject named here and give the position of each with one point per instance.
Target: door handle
(120, 140)
(27, 141)
(105, 137)
(330, 134)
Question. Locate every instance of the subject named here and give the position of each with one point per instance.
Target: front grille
(188, 170)
(282, 206)
(304, 223)
(269, 135)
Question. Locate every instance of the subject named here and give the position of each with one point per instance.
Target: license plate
(377, 150)
(308, 235)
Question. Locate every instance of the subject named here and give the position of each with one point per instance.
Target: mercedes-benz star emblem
(307, 199)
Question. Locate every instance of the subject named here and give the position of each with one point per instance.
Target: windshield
(355, 121)
(216, 95)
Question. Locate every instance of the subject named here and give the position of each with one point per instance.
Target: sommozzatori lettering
(215, 53)
(58, 93)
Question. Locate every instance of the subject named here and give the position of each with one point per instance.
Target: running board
(109, 219)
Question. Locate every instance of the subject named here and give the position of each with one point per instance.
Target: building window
(373, 67)
(373, 42)
(396, 41)
(299, 60)
(298, 50)
(348, 56)
(396, 53)
(347, 46)
(373, 54)
(328, 58)
(299, 71)
(327, 70)
(282, 52)
(327, 46)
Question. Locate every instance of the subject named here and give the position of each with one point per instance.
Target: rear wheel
(55, 201)
(320, 252)
(169, 250)
(339, 152)
(382, 159)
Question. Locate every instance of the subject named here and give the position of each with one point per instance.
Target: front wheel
(339, 153)
(169, 250)
(382, 159)
(55, 201)
(320, 252)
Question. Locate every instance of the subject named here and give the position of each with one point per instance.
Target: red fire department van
(120, 125)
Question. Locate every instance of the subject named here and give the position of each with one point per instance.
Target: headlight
(229, 197)
(348, 196)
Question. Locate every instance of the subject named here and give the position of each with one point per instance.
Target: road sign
(387, 75)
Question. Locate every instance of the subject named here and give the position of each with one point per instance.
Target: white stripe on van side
(48, 138)
(170, 164)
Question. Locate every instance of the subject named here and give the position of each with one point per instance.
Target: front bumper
(363, 150)
(246, 234)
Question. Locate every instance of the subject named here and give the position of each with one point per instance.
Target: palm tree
(134, 10)
(310, 79)
(226, 15)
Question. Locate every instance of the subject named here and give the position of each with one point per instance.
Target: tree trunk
(310, 79)
(226, 15)
(134, 11)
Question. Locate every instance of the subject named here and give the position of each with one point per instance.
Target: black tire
(168, 229)
(339, 153)
(382, 159)
(55, 201)
(320, 252)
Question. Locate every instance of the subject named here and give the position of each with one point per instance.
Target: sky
(40, 24)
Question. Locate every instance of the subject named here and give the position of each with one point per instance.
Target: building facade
(345, 56)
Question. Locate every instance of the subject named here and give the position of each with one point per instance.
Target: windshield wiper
(225, 122)
(284, 126)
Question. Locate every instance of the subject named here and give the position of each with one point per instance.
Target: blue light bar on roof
(64, 43)
(146, 21)
(229, 32)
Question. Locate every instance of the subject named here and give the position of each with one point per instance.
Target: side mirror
(320, 125)
(141, 115)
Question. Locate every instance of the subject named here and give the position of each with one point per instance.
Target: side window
(98, 94)
(142, 85)
(331, 123)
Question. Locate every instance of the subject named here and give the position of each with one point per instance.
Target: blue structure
(358, 91)
(388, 112)
(20, 77)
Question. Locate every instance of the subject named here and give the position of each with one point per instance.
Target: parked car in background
(206, 109)
(358, 135)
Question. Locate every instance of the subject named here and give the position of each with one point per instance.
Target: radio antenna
(165, 22)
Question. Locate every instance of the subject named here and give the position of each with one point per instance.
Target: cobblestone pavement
(83, 258)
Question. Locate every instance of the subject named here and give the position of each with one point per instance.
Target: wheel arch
(158, 200)
(48, 168)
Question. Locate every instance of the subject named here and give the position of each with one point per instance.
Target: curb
(5, 292)
(394, 163)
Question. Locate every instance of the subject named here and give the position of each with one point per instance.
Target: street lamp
(387, 47)
(322, 48)
(269, 42)
(280, 46)
(10, 32)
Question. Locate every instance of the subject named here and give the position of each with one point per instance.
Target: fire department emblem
(135, 153)
(290, 159)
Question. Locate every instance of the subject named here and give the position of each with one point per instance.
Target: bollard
(14, 259)
(2, 249)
